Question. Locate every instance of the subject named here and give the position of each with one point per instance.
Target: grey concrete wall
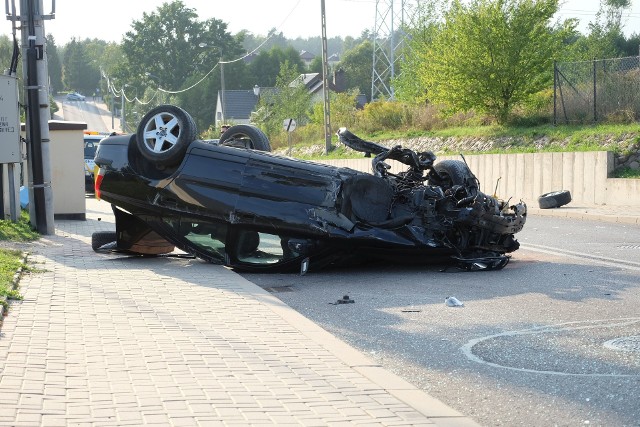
(527, 176)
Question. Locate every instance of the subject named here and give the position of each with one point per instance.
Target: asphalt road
(553, 339)
(96, 118)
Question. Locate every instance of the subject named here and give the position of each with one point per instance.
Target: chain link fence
(606, 90)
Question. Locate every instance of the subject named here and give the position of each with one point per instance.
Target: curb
(436, 411)
(614, 215)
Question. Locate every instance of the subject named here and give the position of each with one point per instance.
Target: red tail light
(98, 182)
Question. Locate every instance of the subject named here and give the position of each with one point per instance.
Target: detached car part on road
(234, 203)
(555, 199)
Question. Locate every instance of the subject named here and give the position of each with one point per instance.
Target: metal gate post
(595, 103)
(555, 98)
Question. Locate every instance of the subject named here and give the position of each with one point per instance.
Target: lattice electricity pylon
(393, 17)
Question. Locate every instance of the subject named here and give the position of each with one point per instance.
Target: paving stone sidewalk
(106, 340)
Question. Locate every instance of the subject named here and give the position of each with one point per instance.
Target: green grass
(619, 138)
(575, 132)
(560, 132)
(11, 260)
(627, 173)
(19, 231)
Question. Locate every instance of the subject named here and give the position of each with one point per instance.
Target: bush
(310, 133)
(343, 109)
(426, 117)
(536, 110)
(381, 115)
(621, 117)
(53, 105)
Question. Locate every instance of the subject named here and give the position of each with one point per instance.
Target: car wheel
(101, 238)
(164, 134)
(452, 172)
(245, 136)
(555, 199)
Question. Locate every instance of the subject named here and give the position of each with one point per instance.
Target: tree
(614, 10)
(407, 87)
(265, 68)
(171, 49)
(629, 46)
(316, 65)
(54, 65)
(290, 99)
(343, 110)
(606, 38)
(357, 64)
(490, 55)
(6, 52)
(78, 73)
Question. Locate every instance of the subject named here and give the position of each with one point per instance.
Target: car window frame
(233, 250)
(162, 226)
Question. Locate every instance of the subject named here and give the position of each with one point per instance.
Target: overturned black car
(232, 202)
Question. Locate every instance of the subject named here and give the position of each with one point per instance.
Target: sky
(111, 19)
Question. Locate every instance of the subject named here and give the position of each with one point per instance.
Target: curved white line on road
(467, 349)
(611, 262)
(631, 343)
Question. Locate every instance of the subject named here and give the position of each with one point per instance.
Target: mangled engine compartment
(441, 203)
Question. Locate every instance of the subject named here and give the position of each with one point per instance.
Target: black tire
(555, 199)
(164, 134)
(245, 136)
(452, 172)
(101, 238)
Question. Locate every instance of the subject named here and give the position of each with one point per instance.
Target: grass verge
(619, 138)
(18, 231)
(12, 260)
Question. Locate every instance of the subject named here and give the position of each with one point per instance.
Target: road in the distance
(553, 339)
(94, 115)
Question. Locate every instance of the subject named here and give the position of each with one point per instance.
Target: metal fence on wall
(599, 90)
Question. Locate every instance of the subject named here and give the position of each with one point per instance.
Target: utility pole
(38, 114)
(325, 82)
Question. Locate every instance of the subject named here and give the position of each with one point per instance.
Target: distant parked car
(91, 141)
(75, 96)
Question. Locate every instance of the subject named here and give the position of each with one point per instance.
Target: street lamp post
(254, 113)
